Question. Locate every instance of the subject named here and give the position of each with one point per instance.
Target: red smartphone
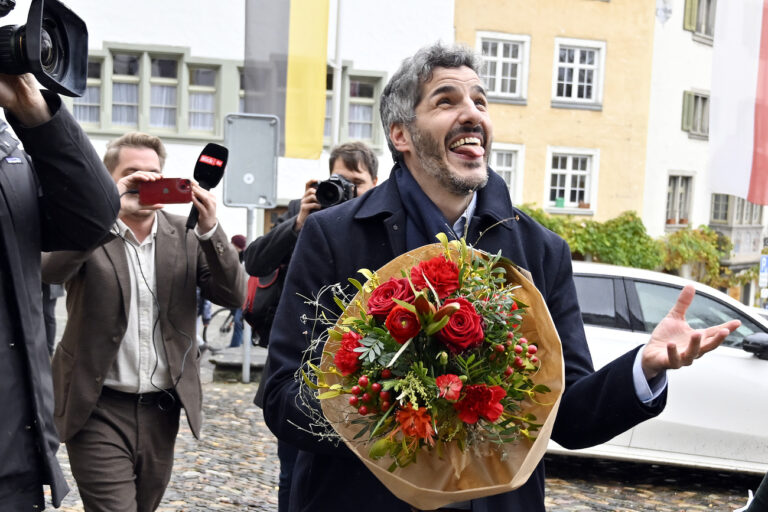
(165, 191)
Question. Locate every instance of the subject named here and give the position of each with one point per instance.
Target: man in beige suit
(128, 360)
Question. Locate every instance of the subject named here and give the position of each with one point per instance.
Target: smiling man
(434, 111)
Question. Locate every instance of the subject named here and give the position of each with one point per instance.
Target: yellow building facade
(569, 89)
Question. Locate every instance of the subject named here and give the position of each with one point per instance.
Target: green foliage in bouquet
(433, 357)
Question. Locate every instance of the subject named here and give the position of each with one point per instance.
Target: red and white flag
(738, 127)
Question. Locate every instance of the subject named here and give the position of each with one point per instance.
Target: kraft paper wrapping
(479, 471)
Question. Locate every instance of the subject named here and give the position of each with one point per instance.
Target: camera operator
(63, 198)
(353, 162)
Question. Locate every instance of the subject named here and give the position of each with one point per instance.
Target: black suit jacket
(367, 233)
(67, 201)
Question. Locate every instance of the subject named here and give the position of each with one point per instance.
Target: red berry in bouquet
(464, 329)
(381, 302)
(442, 275)
(346, 359)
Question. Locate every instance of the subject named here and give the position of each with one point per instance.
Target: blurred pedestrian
(237, 327)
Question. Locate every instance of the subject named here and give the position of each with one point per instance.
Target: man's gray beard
(430, 155)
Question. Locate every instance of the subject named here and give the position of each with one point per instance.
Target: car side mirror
(756, 343)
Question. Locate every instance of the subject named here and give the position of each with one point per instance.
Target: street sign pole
(251, 180)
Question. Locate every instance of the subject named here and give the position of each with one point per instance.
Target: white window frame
(377, 80)
(126, 79)
(524, 41)
(202, 89)
(591, 182)
(679, 177)
(595, 103)
(516, 187)
(166, 82)
(726, 210)
(697, 17)
(93, 82)
(696, 108)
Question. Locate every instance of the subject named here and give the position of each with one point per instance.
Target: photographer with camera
(56, 195)
(354, 169)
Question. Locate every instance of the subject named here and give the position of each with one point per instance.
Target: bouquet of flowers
(442, 374)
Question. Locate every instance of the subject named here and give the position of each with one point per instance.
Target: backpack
(261, 302)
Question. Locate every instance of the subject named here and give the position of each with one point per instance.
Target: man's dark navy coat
(367, 233)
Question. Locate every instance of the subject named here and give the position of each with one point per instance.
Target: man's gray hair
(403, 91)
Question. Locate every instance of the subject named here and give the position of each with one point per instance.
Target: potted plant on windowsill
(584, 205)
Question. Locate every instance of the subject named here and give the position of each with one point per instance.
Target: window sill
(507, 100)
(576, 106)
(165, 135)
(569, 210)
(702, 38)
(698, 136)
(675, 227)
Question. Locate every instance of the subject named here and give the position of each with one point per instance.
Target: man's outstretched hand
(674, 343)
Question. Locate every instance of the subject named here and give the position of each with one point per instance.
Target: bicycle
(218, 333)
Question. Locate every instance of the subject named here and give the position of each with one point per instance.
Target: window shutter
(691, 11)
(687, 122)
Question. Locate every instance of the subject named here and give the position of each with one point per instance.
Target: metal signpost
(251, 179)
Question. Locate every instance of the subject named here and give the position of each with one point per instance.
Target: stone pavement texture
(234, 467)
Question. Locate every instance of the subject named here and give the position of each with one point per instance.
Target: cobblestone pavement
(234, 468)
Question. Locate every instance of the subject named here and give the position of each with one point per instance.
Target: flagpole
(336, 99)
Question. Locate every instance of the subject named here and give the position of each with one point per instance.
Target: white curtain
(125, 104)
(360, 121)
(162, 113)
(88, 105)
(201, 111)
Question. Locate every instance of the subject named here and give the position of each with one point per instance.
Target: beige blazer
(98, 295)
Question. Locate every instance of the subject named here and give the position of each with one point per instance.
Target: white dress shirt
(141, 365)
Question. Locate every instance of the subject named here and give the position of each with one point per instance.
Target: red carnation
(346, 359)
(380, 302)
(464, 330)
(442, 275)
(449, 386)
(480, 401)
(402, 324)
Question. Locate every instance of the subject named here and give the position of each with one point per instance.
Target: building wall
(618, 130)
(375, 38)
(680, 63)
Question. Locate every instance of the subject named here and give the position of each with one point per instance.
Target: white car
(717, 409)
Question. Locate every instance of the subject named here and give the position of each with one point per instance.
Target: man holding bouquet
(434, 112)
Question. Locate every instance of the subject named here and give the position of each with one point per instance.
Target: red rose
(480, 401)
(442, 275)
(380, 302)
(449, 386)
(402, 324)
(346, 359)
(464, 330)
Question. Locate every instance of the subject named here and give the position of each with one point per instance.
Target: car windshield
(657, 299)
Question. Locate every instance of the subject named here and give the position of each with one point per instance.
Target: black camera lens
(329, 193)
(52, 54)
(53, 46)
(335, 190)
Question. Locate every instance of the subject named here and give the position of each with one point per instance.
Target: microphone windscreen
(209, 168)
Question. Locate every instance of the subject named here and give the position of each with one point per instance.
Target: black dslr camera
(53, 46)
(335, 190)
